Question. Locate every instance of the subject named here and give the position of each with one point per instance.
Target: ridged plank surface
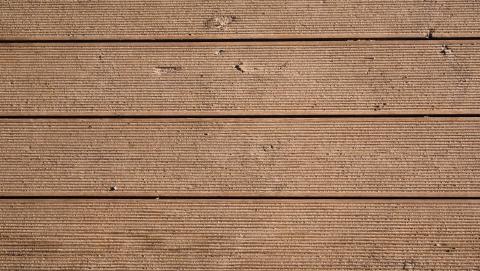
(251, 156)
(180, 19)
(403, 77)
(239, 235)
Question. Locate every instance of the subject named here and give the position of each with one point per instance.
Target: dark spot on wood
(445, 50)
(239, 68)
(267, 148)
(429, 34)
(451, 249)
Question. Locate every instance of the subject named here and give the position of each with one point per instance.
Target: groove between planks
(318, 157)
(239, 235)
(137, 20)
(298, 78)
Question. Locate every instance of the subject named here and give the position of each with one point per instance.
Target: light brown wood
(320, 78)
(262, 153)
(212, 19)
(239, 235)
(274, 156)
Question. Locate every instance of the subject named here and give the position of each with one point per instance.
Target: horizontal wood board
(239, 235)
(279, 78)
(212, 19)
(258, 156)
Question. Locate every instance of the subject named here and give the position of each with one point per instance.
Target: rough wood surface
(402, 77)
(313, 156)
(212, 19)
(239, 235)
(247, 192)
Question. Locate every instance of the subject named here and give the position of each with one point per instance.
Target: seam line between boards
(241, 40)
(241, 116)
(236, 198)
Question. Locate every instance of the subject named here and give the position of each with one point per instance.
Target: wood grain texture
(402, 77)
(213, 19)
(250, 156)
(239, 235)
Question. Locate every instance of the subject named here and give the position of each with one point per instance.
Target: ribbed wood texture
(239, 235)
(402, 77)
(274, 135)
(211, 19)
(313, 156)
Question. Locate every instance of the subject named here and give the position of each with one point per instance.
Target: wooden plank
(321, 78)
(212, 19)
(239, 235)
(245, 156)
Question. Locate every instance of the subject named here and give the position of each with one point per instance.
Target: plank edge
(244, 195)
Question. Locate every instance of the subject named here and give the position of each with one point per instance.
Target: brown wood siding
(212, 19)
(240, 135)
(247, 156)
(239, 235)
(321, 78)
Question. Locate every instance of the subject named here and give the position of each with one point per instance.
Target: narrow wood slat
(409, 77)
(247, 156)
(212, 19)
(239, 235)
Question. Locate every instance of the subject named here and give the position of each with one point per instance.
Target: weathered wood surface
(240, 193)
(239, 235)
(240, 155)
(212, 19)
(401, 77)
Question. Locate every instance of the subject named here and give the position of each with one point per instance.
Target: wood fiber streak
(251, 156)
(411, 77)
(211, 19)
(239, 235)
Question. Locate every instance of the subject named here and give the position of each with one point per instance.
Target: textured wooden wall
(240, 135)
